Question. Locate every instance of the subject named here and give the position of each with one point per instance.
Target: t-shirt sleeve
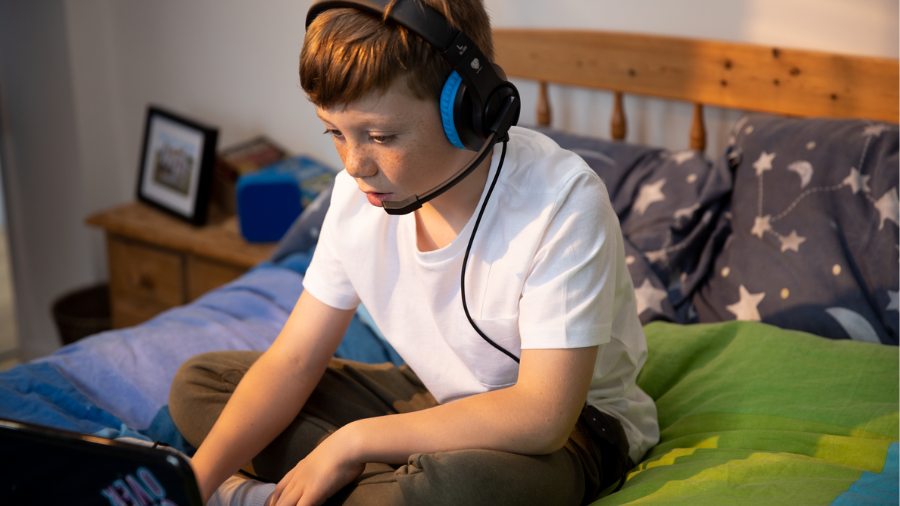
(326, 278)
(569, 294)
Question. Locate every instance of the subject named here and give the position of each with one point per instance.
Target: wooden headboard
(726, 74)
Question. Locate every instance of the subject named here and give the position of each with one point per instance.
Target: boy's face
(393, 144)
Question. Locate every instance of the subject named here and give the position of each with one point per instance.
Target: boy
(477, 422)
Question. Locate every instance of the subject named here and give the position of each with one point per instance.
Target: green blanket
(752, 414)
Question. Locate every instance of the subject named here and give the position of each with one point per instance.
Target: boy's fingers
(281, 487)
(293, 497)
(276, 495)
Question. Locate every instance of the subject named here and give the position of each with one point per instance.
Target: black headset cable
(462, 281)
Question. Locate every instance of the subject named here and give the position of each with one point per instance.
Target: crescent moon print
(855, 324)
(803, 169)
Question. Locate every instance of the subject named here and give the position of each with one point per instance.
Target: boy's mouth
(376, 198)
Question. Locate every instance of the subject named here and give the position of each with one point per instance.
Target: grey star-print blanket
(796, 225)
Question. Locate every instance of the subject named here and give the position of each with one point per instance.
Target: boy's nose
(358, 163)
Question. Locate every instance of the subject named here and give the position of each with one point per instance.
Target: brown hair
(347, 53)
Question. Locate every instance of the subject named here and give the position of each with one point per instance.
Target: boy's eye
(382, 139)
(334, 132)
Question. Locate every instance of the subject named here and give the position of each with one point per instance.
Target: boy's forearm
(533, 417)
(503, 420)
(251, 420)
(272, 392)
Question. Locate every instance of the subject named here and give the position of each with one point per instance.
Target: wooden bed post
(698, 129)
(618, 126)
(543, 106)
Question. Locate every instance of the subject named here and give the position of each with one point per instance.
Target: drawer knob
(145, 282)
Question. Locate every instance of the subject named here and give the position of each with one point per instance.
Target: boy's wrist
(348, 444)
(202, 475)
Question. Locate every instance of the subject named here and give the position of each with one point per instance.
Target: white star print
(856, 181)
(888, 207)
(682, 156)
(656, 256)
(686, 212)
(761, 225)
(649, 297)
(874, 130)
(763, 163)
(649, 194)
(894, 304)
(745, 309)
(791, 241)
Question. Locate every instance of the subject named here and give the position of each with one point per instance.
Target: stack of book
(238, 160)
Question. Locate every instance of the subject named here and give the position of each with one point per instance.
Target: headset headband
(421, 19)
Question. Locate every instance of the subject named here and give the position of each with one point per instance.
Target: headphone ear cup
(456, 114)
(448, 108)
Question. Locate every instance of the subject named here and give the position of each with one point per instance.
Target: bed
(766, 277)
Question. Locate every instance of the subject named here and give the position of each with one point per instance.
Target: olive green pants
(348, 391)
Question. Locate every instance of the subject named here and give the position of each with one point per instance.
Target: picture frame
(176, 165)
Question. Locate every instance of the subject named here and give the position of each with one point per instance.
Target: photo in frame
(176, 165)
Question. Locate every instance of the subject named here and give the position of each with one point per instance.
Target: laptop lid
(41, 465)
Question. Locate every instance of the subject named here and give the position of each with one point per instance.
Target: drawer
(204, 274)
(145, 273)
(126, 311)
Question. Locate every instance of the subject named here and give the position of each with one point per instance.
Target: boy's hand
(319, 476)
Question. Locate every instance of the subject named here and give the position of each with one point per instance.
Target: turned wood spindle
(698, 129)
(543, 106)
(617, 125)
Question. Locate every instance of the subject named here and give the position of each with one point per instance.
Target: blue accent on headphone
(448, 97)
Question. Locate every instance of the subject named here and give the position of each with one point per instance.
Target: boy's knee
(201, 387)
(215, 369)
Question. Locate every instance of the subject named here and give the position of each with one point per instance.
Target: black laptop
(44, 466)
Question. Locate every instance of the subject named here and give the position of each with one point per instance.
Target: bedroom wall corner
(41, 166)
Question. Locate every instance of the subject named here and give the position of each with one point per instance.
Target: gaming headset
(478, 104)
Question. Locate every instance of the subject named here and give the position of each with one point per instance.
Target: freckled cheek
(399, 167)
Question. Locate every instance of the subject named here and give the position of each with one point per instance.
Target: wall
(41, 171)
(233, 64)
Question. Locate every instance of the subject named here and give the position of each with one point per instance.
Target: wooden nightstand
(157, 262)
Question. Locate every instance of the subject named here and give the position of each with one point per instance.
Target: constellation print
(887, 205)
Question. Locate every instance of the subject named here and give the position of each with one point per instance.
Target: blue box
(270, 199)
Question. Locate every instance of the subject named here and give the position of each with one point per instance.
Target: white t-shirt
(546, 271)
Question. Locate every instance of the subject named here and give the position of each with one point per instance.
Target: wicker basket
(82, 313)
